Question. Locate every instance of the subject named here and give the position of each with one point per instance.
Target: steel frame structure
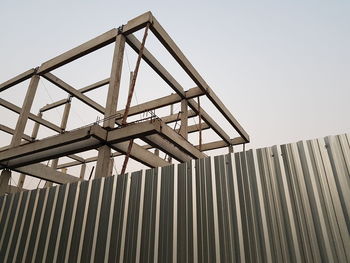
(25, 153)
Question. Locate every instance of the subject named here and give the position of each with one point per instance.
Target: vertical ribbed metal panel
(288, 203)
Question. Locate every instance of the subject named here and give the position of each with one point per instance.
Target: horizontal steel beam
(87, 160)
(54, 147)
(54, 105)
(175, 117)
(133, 131)
(140, 154)
(160, 102)
(14, 189)
(29, 139)
(82, 139)
(195, 128)
(46, 173)
(77, 158)
(169, 148)
(137, 23)
(180, 142)
(220, 144)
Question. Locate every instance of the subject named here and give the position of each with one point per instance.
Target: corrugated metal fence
(288, 203)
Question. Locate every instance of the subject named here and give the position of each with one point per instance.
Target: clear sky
(281, 67)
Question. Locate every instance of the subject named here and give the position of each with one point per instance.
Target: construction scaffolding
(26, 153)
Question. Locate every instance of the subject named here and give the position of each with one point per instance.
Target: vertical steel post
(104, 152)
(23, 118)
(184, 119)
(82, 171)
(63, 126)
(4, 181)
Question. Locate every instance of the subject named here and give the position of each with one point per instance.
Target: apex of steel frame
(114, 135)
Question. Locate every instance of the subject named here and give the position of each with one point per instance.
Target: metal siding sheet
(61, 244)
(104, 219)
(78, 222)
(5, 217)
(52, 238)
(35, 226)
(19, 218)
(117, 223)
(6, 231)
(45, 225)
(165, 251)
(149, 212)
(287, 203)
(91, 220)
(184, 208)
(132, 218)
(25, 226)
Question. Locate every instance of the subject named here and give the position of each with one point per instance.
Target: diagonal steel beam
(79, 51)
(82, 90)
(31, 116)
(18, 79)
(72, 91)
(177, 54)
(168, 78)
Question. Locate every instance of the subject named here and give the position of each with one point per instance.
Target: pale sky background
(281, 67)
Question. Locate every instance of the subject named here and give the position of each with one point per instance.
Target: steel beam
(82, 171)
(29, 139)
(35, 131)
(72, 91)
(140, 154)
(11, 131)
(23, 118)
(25, 110)
(135, 44)
(77, 141)
(177, 54)
(54, 105)
(210, 121)
(63, 126)
(175, 117)
(180, 142)
(134, 131)
(77, 158)
(168, 78)
(137, 23)
(114, 83)
(18, 79)
(87, 160)
(221, 144)
(53, 147)
(5, 177)
(160, 102)
(159, 142)
(82, 90)
(104, 153)
(31, 116)
(77, 52)
(44, 172)
(183, 131)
